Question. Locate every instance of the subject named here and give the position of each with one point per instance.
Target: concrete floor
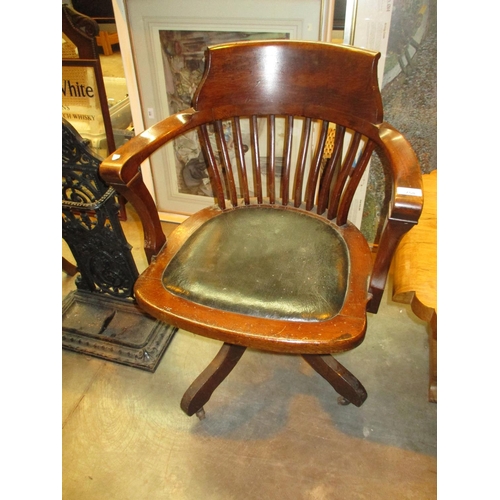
(273, 429)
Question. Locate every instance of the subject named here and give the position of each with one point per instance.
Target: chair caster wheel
(343, 401)
(201, 413)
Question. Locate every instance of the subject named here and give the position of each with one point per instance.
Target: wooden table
(415, 272)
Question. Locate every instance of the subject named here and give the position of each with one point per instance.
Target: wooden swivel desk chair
(274, 264)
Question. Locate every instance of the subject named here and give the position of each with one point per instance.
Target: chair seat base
(200, 391)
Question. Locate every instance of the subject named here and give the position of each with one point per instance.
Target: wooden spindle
(212, 168)
(351, 187)
(339, 185)
(227, 169)
(316, 166)
(301, 161)
(254, 132)
(287, 158)
(331, 169)
(271, 159)
(240, 159)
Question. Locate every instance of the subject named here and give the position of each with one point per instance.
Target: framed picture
(183, 65)
(169, 42)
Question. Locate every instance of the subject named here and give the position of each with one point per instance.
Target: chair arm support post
(138, 195)
(405, 209)
(122, 170)
(140, 198)
(391, 236)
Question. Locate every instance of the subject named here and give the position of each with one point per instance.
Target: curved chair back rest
(290, 77)
(288, 122)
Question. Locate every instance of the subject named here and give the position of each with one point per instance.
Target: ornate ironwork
(91, 226)
(101, 317)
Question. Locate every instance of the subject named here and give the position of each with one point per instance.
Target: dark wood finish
(205, 384)
(341, 379)
(100, 11)
(338, 334)
(292, 78)
(82, 31)
(309, 88)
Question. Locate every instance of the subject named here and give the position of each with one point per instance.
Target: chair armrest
(123, 165)
(121, 169)
(405, 208)
(407, 200)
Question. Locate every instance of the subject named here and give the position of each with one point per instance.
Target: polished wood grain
(341, 379)
(415, 272)
(338, 334)
(310, 87)
(205, 384)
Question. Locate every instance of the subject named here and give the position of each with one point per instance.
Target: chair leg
(205, 384)
(341, 379)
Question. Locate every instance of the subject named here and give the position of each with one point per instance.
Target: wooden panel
(415, 264)
(415, 272)
(264, 77)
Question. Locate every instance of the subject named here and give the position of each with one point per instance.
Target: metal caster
(343, 401)
(201, 413)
